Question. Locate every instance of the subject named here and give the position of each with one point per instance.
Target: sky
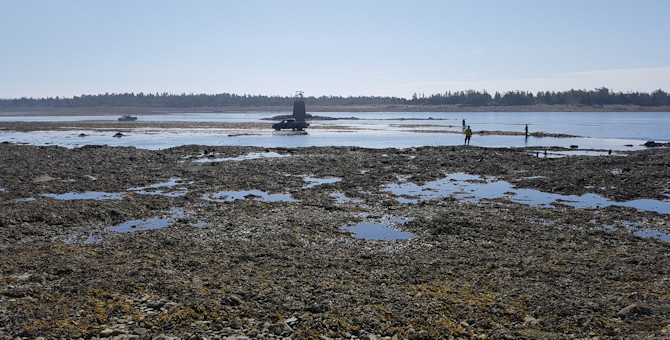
(395, 48)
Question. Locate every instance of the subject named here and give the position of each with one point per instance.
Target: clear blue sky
(339, 47)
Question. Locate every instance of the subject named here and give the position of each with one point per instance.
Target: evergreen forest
(469, 98)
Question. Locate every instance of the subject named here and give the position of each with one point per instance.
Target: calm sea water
(598, 130)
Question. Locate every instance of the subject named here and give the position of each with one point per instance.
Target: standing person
(468, 134)
(463, 123)
(527, 134)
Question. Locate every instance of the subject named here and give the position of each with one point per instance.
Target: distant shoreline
(126, 110)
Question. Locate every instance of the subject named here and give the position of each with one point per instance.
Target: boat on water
(127, 118)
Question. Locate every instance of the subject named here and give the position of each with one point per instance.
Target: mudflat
(209, 242)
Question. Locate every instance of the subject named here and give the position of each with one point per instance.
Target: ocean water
(596, 130)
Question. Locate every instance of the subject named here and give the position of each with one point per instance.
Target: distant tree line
(597, 97)
(190, 100)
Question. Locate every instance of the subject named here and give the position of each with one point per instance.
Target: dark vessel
(127, 118)
(299, 114)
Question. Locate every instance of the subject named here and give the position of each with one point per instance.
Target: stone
(530, 321)
(107, 332)
(155, 304)
(652, 144)
(277, 328)
(634, 309)
(368, 336)
(140, 330)
(164, 337)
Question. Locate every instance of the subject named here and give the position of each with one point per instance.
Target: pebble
(107, 332)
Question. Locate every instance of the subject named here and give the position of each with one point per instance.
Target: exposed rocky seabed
(200, 242)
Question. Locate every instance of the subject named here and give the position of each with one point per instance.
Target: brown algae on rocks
(497, 267)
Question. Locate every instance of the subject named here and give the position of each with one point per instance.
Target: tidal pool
(257, 195)
(146, 190)
(342, 198)
(636, 228)
(138, 225)
(88, 195)
(150, 223)
(151, 189)
(382, 230)
(319, 181)
(249, 156)
(473, 188)
(652, 233)
(568, 153)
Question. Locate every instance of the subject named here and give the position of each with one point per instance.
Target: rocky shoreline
(81, 259)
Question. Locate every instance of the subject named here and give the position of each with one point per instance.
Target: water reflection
(381, 230)
(342, 198)
(313, 181)
(151, 189)
(636, 228)
(601, 130)
(381, 137)
(138, 225)
(474, 188)
(151, 223)
(146, 190)
(89, 195)
(252, 155)
(257, 195)
(651, 233)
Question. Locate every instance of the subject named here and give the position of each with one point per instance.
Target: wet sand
(272, 268)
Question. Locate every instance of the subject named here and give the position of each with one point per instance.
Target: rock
(107, 332)
(319, 307)
(652, 144)
(140, 330)
(165, 337)
(232, 300)
(155, 304)
(634, 309)
(530, 321)
(279, 328)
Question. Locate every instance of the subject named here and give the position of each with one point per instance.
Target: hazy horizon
(347, 48)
